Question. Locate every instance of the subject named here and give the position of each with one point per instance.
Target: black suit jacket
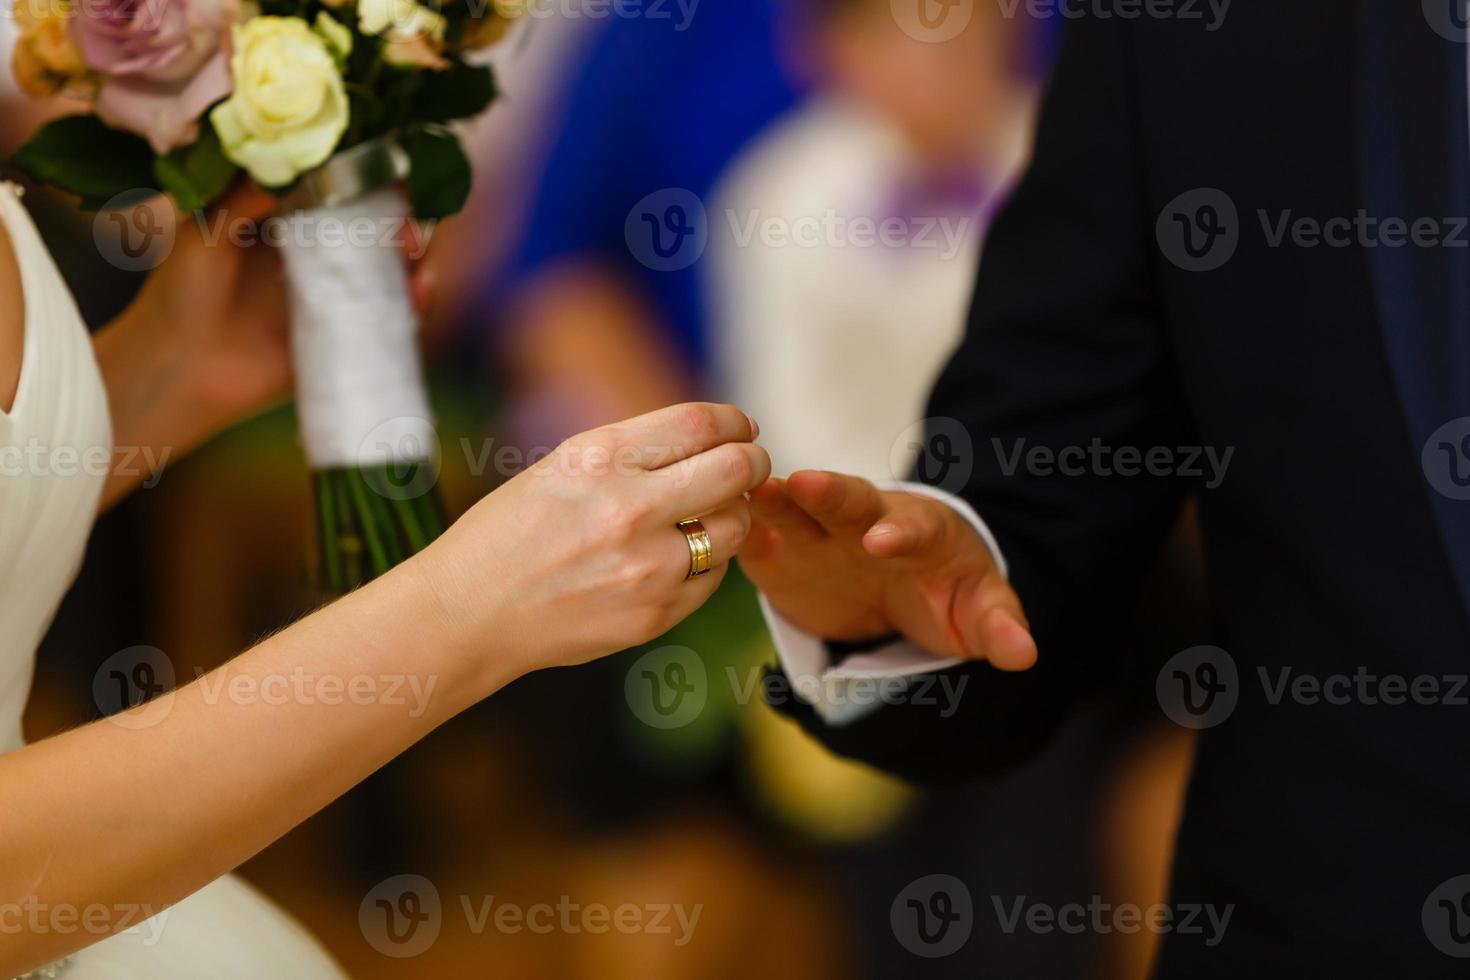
(1327, 368)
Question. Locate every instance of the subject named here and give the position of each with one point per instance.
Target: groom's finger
(910, 533)
(992, 623)
(672, 435)
(774, 508)
(921, 531)
(844, 505)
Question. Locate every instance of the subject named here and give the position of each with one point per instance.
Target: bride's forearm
(128, 815)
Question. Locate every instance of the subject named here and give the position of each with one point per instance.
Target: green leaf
(196, 175)
(458, 92)
(439, 174)
(83, 156)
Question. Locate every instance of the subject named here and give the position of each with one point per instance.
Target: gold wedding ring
(701, 552)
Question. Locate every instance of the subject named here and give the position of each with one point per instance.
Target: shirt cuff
(865, 681)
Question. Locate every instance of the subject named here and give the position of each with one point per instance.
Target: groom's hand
(845, 561)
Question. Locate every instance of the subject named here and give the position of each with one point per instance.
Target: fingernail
(881, 530)
(755, 427)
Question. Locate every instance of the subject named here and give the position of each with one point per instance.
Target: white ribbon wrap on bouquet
(360, 391)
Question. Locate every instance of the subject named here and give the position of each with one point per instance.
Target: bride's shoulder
(12, 318)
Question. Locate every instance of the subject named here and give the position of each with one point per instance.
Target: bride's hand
(579, 556)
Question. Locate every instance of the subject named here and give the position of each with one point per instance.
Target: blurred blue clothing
(651, 108)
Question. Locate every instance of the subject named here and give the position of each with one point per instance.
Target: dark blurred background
(625, 250)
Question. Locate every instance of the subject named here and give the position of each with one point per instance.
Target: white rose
(415, 34)
(289, 108)
(399, 19)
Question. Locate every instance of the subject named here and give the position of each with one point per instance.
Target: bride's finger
(672, 435)
(706, 482)
(727, 528)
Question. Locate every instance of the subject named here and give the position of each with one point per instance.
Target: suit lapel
(1414, 159)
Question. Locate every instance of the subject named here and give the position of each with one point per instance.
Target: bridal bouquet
(329, 104)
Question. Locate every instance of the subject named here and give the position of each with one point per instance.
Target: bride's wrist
(149, 372)
(149, 348)
(458, 626)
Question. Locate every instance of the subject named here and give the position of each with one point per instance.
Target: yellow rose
(46, 59)
(289, 108)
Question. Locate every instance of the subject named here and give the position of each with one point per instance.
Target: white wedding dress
(226, 931)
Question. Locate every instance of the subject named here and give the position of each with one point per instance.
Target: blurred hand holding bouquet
(328, 104)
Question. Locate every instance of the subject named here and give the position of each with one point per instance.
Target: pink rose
(163, 63)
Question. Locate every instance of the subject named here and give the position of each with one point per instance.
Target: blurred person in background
(506, 148)
(843, 243)
(838, 331)
(658, 104)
